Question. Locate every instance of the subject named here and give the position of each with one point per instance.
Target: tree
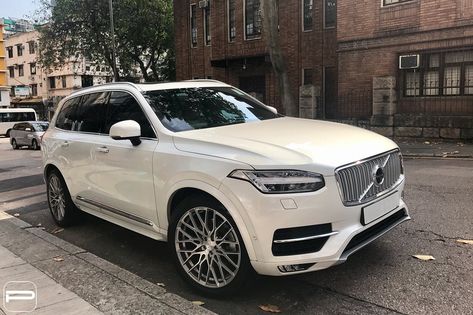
(271, 30)
(143, 35)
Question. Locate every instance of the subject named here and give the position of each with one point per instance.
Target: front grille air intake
(365, 180)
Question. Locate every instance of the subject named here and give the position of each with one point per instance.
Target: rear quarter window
(65, 118)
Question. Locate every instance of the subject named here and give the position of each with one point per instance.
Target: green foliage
(143, 35)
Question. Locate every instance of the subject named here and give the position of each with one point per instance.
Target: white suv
(232, 185)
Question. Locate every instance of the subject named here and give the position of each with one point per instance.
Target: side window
(18, 127)
(90, 113)
(30, 116)
(123, 106)
(65, 119)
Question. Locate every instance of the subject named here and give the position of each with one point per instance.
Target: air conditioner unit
(203, 4)
(409, 61)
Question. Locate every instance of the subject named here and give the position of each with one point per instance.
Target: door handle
(103, 149)
(65, 144)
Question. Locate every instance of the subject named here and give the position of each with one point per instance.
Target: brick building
(343, 59)
(223, 40)
(432, 100)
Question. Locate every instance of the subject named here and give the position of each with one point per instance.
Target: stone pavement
(436, 149)
(70, 280)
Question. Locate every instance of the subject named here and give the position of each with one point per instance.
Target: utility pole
(112, 33)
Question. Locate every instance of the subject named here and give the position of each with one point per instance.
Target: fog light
(294, 268)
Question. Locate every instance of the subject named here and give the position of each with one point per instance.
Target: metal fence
(353, 104)
(437, 105)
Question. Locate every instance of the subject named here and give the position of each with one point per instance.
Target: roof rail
(107, 84)
(203, 80)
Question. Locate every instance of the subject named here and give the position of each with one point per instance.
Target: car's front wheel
(34, 145)
(207, 246)
(63, 210)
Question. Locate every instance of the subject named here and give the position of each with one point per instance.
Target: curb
(75, 254)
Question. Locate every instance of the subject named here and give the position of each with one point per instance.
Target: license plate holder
(379, 208)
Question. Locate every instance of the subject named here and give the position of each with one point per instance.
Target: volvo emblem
(378, 175)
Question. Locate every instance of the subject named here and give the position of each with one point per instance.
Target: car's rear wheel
(7, 134)
(14, 144)
(34, 145)
(207, 247)
(63, 210)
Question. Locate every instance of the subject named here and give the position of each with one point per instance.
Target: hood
(315, 145)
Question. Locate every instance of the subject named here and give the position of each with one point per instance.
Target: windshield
(199, 108)
(40, 126)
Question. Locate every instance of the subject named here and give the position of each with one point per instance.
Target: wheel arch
(201, 188)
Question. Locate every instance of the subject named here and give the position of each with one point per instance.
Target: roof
(14, 110)
(144, 87)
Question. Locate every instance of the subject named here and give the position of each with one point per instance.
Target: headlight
(281, 181)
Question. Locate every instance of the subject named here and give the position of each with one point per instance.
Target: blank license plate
(379, 208)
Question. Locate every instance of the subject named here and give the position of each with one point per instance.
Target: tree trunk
(271, 32)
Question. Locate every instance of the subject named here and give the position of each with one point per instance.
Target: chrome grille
(358, 182)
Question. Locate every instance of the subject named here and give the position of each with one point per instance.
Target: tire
(8, 133)
(14, 144)
(218, 245)
(34, 145)
(62, 209)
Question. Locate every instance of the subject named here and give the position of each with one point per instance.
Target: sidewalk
(70, 280)
(436, 149)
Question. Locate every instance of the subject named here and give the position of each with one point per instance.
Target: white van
(10, 116)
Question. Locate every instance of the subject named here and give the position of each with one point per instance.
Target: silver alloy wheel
(57, 200)
(14, 144)
(35, 145)
(207, 246)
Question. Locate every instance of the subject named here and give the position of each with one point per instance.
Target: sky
(18, 8)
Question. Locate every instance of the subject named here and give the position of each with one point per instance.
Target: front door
(124, 173)
(255, 86)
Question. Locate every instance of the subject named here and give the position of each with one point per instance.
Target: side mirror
(126, 130)
(27, 129)
(273, 109)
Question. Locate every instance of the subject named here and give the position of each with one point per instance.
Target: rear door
(19, 133)
(124, 176)
(77, 132)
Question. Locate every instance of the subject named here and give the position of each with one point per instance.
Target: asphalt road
(382, 278)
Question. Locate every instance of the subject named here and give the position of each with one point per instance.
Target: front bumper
(263, 215)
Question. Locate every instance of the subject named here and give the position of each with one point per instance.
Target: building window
(207, 24)
(389, 2)
(330, 13)
(52, 82)
(12, 72)
(63, 81)
(19, 50)
(307, 8)
(412, 84)
(21, 70)
(32, 47)
(445, 73)
(33, 68)
(307, 76)
(34, 89)
(231, 20)
(252, 19)
(10, 52)
(193, 19)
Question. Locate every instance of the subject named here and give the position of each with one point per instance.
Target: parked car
(229, 183)
(28, 133)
